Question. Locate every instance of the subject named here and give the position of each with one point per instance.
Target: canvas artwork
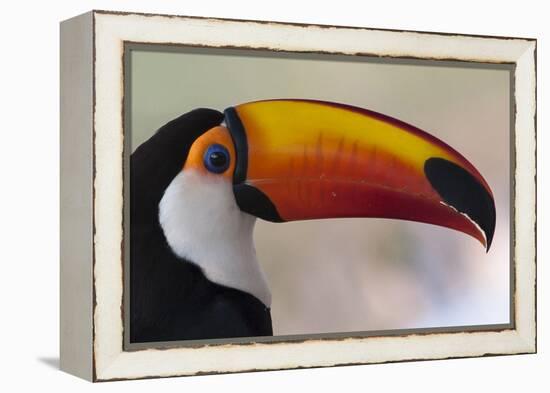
(246, 146)
(247, 195)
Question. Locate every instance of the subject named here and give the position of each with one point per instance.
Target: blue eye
(216, 158)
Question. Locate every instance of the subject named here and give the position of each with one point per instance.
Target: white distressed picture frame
(92, 196)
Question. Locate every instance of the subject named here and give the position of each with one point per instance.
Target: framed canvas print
(245, 195)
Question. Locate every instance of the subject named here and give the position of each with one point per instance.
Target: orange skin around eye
(217, 135)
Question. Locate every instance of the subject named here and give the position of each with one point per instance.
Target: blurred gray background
(350, 275)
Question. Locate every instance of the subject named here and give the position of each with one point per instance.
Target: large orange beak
(304, 159)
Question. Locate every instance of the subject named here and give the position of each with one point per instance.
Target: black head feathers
(157, 161)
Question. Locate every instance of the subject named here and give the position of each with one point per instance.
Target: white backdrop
(29, 198)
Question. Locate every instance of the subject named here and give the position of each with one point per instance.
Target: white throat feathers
(203, 224)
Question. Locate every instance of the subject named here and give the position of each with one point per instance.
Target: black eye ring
(216, 158)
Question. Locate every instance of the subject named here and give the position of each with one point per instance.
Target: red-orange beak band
(302, 159)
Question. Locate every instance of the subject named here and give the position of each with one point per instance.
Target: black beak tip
(459, 189)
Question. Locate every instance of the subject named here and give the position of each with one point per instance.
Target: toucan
(200, 182)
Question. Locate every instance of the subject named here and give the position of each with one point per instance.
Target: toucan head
(286, 160)
(293, 160)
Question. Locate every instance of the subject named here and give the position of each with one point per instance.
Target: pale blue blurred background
(359, 274)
